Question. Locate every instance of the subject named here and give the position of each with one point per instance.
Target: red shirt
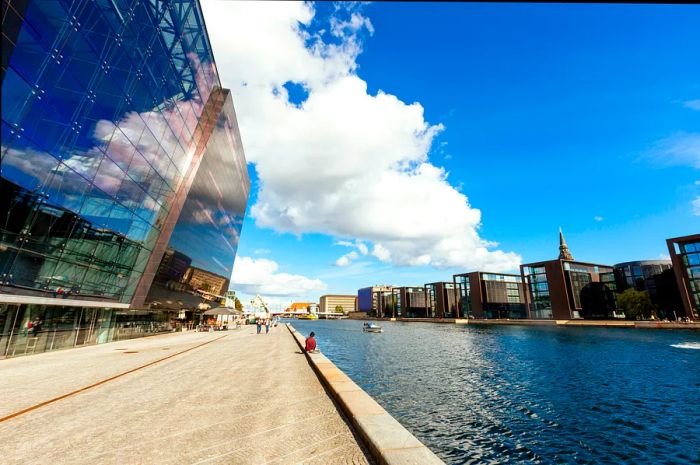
(310, 344)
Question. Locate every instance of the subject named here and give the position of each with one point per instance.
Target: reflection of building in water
(203, 280)
(114, 156)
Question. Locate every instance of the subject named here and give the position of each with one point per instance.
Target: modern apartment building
(121, 162)
(640, 274)
(490, 295)
(409, 302)
(441, 299)
(372, 300)
(565, 288)
(338, 303)
(653, 276)
(685, 256)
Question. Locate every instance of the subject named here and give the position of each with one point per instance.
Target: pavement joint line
(248, 436)
(317, 443)
(83, 389)
(202, 428)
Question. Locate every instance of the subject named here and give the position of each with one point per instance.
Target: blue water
(521, 395)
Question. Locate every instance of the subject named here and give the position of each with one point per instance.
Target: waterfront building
(338, 304)
(299, 308)
(371, 300)
(121, 162)
(490, 295)
(441, 300)
(648, 275)
(566, 289)
(640, 275)
(409, 302)
(685, 256)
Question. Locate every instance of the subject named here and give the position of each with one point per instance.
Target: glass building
(640, 275)
(685, 256)
(113, 120)
(491, 295)
(409, 302)
(441, 300)
(564, 288)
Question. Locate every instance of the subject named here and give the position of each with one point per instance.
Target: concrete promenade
(221, 398)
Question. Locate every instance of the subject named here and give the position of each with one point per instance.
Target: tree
(339, 309)
(237, 303)
(637, 305)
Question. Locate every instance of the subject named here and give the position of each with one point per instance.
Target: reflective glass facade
(441, 300)
(110, 109)
(536, 280)
(198, 261)
(685, 256)
(490, 295)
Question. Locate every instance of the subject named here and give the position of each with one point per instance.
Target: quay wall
(387, 440)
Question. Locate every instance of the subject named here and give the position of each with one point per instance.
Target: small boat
(307, 316)
(371, 328)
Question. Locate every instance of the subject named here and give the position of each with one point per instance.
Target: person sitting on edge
(310, 343)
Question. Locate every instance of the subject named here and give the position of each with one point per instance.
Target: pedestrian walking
(267, 326)
(258, 323)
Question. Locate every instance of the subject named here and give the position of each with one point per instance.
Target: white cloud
(664, 256)
(261, 276)
(598, 218)
(344, 162)
(692, 104)
(682, 148)
(346, 259)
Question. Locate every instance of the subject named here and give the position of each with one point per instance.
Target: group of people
(266, 322)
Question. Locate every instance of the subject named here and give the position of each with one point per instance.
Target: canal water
(521, 395)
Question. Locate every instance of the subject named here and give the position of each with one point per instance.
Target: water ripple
(517, 395)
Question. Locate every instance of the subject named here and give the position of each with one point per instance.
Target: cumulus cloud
(598, 218)
(344, 162)
(261, 276)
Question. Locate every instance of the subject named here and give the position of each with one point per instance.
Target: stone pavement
(234, 398)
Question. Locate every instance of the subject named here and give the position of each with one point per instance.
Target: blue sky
(580, 116)
(552, 112)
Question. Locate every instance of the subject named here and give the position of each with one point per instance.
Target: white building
(338, 303)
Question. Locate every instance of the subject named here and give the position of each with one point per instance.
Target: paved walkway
(233, 397)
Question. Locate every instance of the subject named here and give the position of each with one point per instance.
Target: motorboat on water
(370, 327)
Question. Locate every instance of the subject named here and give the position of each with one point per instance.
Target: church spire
(564, 253)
